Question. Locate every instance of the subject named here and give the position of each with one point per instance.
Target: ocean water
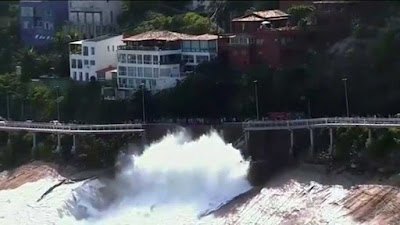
(175, 181)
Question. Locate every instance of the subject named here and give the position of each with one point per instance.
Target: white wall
(102, 57)
(153, 82)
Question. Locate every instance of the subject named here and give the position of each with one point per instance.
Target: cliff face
(307, 195)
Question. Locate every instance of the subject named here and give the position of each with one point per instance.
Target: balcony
(149, 48)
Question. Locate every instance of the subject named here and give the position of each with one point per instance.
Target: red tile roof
(169, 36)
(263, 15)
(249, 18)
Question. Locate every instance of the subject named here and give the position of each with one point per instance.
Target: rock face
(307, 195)
(28, 173)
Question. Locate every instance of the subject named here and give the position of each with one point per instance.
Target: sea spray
(175, 179)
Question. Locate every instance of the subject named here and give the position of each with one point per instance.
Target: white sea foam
(174, 181)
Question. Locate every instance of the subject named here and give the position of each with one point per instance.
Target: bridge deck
(321, 123)
(70, 128)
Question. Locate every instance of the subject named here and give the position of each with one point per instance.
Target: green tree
(299, 13)
(44, 101)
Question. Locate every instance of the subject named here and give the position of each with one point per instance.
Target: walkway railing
(321, 122)
(70, 128)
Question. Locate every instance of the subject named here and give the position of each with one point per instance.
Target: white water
(174, 181)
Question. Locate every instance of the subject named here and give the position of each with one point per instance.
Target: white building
(159, 59)
(94, 18)
(89, 58)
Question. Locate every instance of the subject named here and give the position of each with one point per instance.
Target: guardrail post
(330, 141)
(34, 147)
(73, 148)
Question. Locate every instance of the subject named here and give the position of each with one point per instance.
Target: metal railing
(149, 48)
(321, 122)
(70, 128)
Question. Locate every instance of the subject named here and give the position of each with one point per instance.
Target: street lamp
(304, 98)
(345, 93)
(256, 96)
(143, 111)
(8, 106)
(58, 104)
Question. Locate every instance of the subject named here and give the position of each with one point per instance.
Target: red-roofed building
(264, 37)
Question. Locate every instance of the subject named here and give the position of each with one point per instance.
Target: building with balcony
(159, 59)
(264, 38)
(39, 20)
(93, 18)
(94, 59)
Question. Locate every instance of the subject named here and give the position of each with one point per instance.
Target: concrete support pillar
(34, 146)
(330, 141)
(58, 148)
(73, 148)
(9, 140)
(291, 142)
(246, 140)
(311, 143)
(369, 140)
(144, 138)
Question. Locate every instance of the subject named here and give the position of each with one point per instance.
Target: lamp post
(256, 96)
(143, 109)
(58, 104)
(8, 106)
(345, 93)
(304, 98)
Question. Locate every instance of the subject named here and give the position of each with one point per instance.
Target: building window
(131, 58)
(201, 58)
(131, 71)
(153, 83)
(122, 58)
(148, 72)
(108, 48)
(38, 23)
(165, 72)
(87, 76)
(260, 41)
(155, 59)
(80, 76)
(113, 48)
(85, 62)
(156, 72)
(188, 58)
(243, 26)
(111, 17)
(92, 62)
(48, 26)
(26, 25)
(140, 72)
(74, 76)
(92, 50)
(27, 11)
(73, 63)
(79, 63)
(139, 59)
(122, 71)
(85, 51)
(147, 59)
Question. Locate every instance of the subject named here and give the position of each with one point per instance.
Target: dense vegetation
(367, 57)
